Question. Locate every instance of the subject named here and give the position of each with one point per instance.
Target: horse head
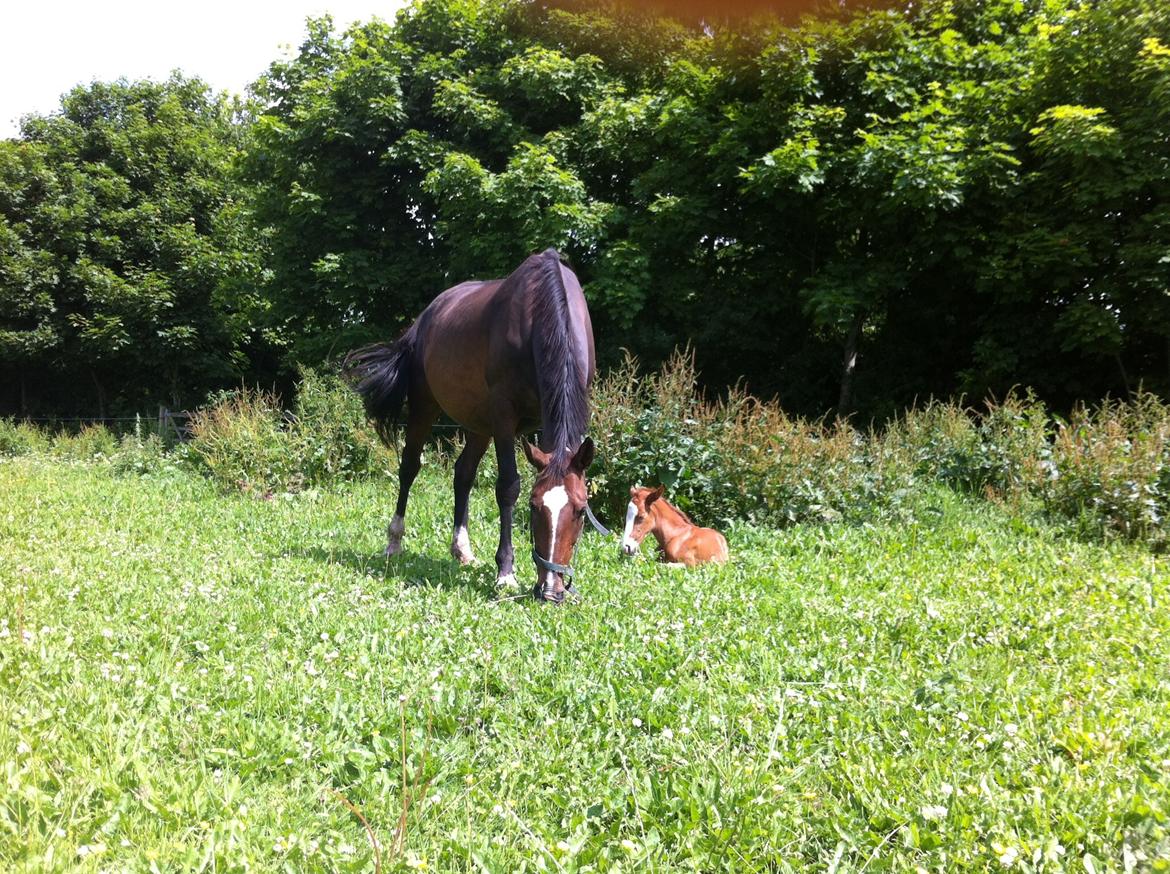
(558, 502)
(639, 517)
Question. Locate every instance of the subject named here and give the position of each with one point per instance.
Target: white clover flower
(932, 812)
(94, 849)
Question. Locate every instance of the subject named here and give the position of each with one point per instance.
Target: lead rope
(601, 529)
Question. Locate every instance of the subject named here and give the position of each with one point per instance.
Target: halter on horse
(501, 357)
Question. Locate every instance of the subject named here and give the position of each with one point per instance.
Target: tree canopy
(850, 212)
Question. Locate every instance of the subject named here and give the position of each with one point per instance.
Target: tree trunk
(1124, 375)
(849, 367)
(101, 393)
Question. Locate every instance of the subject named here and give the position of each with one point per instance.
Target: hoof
(507, 581)
(461, 547)
(394, 532)
(464, 558)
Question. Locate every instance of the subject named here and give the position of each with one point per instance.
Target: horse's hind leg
(465, 469)
(418, 428)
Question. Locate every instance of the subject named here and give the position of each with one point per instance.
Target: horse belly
(455, 375)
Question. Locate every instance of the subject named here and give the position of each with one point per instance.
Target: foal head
(558, 501)
(639, 517)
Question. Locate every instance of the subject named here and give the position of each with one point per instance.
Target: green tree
(120, 231)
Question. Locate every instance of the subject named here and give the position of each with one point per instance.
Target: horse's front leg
(507, 493)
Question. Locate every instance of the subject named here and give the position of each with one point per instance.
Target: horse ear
(536, 457)
(584, 456)
(655, 495)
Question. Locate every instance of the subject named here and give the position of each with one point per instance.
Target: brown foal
(680, 541)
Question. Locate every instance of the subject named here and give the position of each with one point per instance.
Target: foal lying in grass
(680, 541)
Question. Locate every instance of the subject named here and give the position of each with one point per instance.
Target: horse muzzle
(547, 590)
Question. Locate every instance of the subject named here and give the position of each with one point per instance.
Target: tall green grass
(735, 458)
(1105, 470)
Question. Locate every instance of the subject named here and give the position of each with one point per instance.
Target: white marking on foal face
(554, 501)
(629, 545)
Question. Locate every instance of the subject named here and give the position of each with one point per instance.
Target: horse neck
(561, 379)
(668, 521)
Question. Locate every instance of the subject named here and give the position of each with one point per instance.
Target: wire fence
(172, 424)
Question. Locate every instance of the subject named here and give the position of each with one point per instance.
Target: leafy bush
(91, 442)
(21, 438)
(330, 430)
(1106, 469)
(240, 440)
(999, 451)
(738, 458)
(1110, 469)
(142, 453)
(245, 440)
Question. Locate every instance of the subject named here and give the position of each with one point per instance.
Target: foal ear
(535, 455)
(655, 495)
(584, 456)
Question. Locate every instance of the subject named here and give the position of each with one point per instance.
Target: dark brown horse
(501, 357)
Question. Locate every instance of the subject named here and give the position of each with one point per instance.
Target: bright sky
(48, 46)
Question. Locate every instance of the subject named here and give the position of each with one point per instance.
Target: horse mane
(564, 393)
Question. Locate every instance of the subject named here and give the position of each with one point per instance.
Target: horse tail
(381, 374)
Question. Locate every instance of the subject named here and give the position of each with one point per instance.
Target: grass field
(192, 681)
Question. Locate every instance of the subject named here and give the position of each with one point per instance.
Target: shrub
(245, 440)
(998, 452)
(738, 458)
(141, 454)
(90, 443)
(239, 439)
(1110, 469)
(21, 438)
(330, 430)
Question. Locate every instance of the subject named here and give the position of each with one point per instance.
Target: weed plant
(245, 439)
(737, 458)
(1105, 471)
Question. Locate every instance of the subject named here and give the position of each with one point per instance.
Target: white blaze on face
(554, 501)
(629, 545)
